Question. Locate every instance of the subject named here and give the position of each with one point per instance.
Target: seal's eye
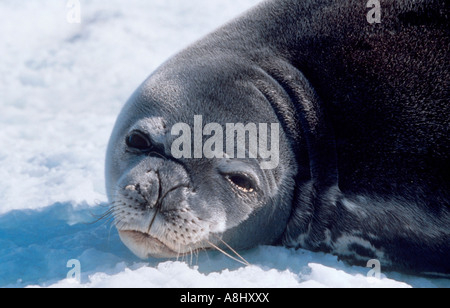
(242, 182)
(139, 141)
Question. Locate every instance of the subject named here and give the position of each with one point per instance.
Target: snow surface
(61, 88)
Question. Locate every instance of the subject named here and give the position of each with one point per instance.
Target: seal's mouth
(145, 246)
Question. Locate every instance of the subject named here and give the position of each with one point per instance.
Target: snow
(62, 86)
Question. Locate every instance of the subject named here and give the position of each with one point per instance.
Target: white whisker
(228, 255)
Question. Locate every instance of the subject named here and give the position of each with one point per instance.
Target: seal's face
(166, 205)
(165, 209)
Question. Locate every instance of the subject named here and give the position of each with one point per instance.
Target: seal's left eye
(242, 182)
(139, 141)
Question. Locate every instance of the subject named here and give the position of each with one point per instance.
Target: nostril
(145, 195)
(130, 187)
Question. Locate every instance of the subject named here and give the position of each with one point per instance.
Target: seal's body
(364, 168)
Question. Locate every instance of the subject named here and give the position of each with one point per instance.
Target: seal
(363, 170)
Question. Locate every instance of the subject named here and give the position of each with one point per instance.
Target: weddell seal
(300, 123)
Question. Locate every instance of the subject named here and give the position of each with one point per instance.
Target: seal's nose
(147, 192)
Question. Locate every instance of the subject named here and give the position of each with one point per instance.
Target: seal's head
(168, 205)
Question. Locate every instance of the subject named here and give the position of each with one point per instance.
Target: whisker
(100, 217)
(234, 251)
(227, 254)
(118, 222)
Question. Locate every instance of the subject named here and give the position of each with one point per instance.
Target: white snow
(61, 88)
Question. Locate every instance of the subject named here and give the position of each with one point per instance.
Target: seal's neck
(312, 141)
(302, 115)
(313, 217)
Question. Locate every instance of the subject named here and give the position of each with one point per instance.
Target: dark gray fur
(365, 115)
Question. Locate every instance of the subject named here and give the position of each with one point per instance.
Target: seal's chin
(146, 246)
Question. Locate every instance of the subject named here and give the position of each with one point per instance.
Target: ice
(35, 246)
